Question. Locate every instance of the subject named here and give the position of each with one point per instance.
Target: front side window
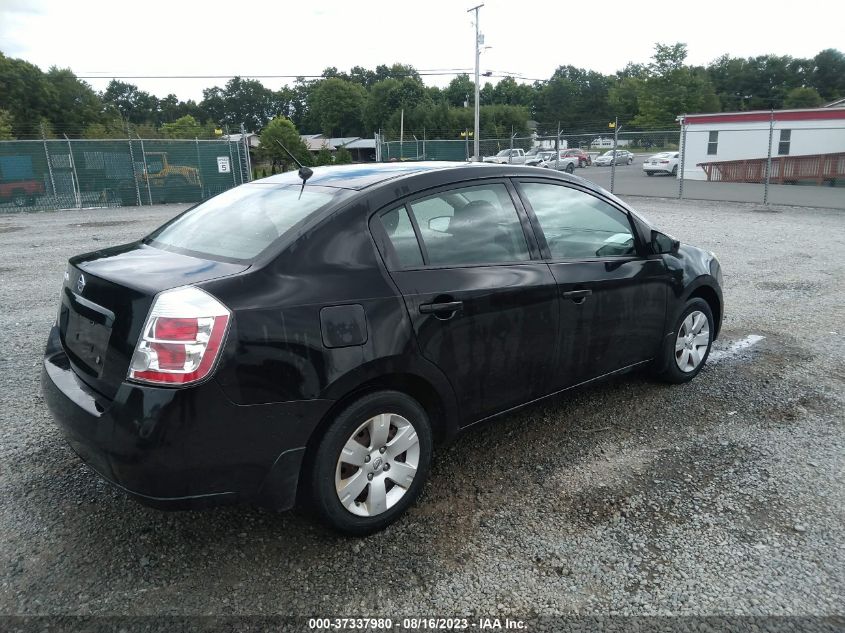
(577, 225)
(242, 222)
(712, 143)
(783, 144)
(470, 226)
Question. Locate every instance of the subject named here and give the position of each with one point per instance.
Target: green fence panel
(60, 173)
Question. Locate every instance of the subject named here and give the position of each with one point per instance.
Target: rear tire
(649, 173)
(354, 457)
(20, 199)
(675, 170)
(685, 354)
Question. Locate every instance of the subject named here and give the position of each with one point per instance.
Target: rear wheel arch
(441, 417)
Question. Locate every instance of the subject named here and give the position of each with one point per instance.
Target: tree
(337, 106)
(575, 98)
(134, 105)
(25, 94)
(802, 98)
(828, 74)
(183, 127)
(6, 126)
(73, 103)
(242, 101)
(323, 157)
(282, 130)
(460, 90)
(388, 97)
(508, 92)
(342, 156)
(670, 88)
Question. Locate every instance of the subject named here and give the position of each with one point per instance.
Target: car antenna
(304, 172)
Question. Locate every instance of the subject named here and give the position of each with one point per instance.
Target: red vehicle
(582, 156)
(21, 192)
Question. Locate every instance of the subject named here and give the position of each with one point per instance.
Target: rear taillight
(181, 338)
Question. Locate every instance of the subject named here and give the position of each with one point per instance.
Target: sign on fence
(223, 166)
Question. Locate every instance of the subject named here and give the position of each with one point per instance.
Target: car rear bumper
(181, 448)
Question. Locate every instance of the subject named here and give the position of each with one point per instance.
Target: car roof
(361, 176)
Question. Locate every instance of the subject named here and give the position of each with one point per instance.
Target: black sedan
(314, 340)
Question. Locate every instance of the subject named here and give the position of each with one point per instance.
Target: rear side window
(470, 226)
(401, 234)
(578, 225)
(243, 221)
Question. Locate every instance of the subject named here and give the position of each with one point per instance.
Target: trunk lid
(105, 300)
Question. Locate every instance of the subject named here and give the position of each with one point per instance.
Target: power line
(426, 73)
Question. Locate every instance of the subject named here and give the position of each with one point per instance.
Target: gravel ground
(723, 496)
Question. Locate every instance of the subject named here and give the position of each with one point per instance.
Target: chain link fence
(762, 158)
(61, 173)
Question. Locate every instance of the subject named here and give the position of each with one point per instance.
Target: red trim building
(805, 145)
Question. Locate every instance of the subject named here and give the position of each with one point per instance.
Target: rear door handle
(441, 308)
(577, 294)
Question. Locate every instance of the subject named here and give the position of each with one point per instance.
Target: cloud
(14, 14)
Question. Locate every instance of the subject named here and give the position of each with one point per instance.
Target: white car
(539, 158)
(662, 163)
(561, 162)
(507, 156)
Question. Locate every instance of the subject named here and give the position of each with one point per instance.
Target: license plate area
(86, 329)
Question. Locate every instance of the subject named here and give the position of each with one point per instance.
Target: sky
(529, 40)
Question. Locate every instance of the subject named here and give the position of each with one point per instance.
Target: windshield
(504, 152)
(243, 221)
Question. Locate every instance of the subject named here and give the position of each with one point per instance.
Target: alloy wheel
(377, 465)
(692, 341)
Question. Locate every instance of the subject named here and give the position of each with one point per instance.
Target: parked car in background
(623, 157)
(514, 156)
(662, 163)
(584, 159)
(236, 354)
(21, 192)
(538, 158)
(563, 162)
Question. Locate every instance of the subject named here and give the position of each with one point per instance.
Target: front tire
(372, 463)
(686, 353)
(570, 168)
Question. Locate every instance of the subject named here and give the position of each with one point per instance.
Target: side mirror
(662, 244)
(440, 223)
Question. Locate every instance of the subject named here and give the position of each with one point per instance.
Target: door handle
(577, 295)
(441, 308)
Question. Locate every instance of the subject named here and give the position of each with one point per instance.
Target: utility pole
(479, 40)
(615, 125)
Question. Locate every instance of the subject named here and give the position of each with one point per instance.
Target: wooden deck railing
(819, 168)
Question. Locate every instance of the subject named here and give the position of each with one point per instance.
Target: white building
(714, 141)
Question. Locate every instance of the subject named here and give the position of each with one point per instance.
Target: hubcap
(377, 465)
(692, 342)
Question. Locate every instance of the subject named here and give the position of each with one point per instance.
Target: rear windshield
(243, 221)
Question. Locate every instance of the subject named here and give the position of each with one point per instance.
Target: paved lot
(630, 180)
(723, 496)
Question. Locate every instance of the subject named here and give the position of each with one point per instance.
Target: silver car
(623, 157)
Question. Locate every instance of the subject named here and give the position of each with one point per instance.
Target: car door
(483, 310)
(612, 293)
